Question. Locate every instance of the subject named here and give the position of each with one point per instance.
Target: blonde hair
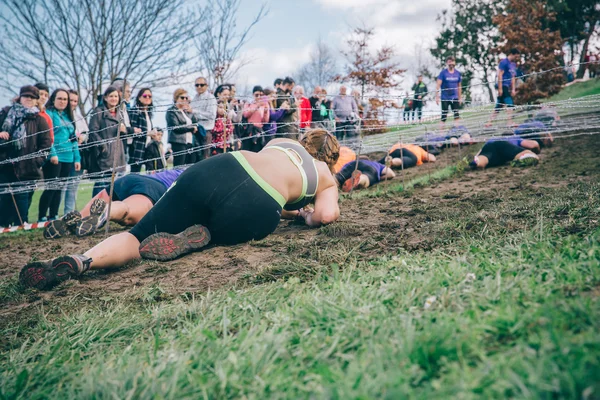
(178, 92)
(322, 145)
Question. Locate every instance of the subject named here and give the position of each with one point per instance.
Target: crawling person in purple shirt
(133, 196)
(519, 141)
(366, 174)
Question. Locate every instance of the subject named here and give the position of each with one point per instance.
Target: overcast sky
(283, 40)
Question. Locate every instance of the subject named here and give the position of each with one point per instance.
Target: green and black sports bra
(308, 169)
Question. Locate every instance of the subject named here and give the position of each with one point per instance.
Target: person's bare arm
(326, 208)
(513, 83)
(289, 214)
(437, 91)
(500, 74)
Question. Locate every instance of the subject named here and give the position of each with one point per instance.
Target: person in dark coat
(105, 123)
(156, 157)
(182, 126)
(141, 117)
(23, 134)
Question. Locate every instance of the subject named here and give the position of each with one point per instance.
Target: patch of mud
(425, 219)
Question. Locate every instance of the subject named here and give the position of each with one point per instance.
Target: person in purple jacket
(133, 196)
(275, 115)
(449, 90)
(366, 174)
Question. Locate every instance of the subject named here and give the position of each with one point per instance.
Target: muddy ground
(418, 220)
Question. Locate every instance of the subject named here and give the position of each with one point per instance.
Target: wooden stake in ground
(402, 162)
(114, 166)
(17, 208)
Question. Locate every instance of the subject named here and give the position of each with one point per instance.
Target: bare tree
(82, 45)
(320, 70)
(371, 70)
(219, 42)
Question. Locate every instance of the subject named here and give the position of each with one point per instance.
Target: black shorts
(448, 105)
(506, 99)
(499, 153)
(138, 184)
(224, 194)
(409, 159)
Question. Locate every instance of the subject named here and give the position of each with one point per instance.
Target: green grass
(492, 313)
(576, 90)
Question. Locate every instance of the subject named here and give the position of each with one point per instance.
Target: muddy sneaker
(44, 275)
(525, 162)
(98, 215)
(166, 246)
(353, 182)
(62, 227)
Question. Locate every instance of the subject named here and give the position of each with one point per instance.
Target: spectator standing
(81, 132)
(41, 105)
(287, 127)
(141, 120)
(321, 108)
(156, 157)
(124, 89)
(507, 86)
(570, 71)
(449, 84)
(277, 84)
(23, 131)
(64, 154)
(105, 124)
(407, 104)
(275, 115)
(204, 106)
(257, 114)
(223, 132)
(304, 107)
(362, 106)
(181, 124)
(237, 117)
(593, 65)
(420, 90)
(345, 110)
(315, 103)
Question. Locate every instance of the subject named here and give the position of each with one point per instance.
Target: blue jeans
(71, 192)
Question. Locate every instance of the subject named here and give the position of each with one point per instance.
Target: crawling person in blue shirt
(133, 196)
(367, 173)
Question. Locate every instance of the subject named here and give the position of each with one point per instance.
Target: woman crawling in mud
(227, 199)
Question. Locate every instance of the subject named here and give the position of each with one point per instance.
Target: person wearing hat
(24, 143)
(257, 113)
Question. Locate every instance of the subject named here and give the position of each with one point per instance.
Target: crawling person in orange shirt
(407, 156)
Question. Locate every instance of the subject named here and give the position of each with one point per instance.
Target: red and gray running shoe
(63, 226)
(98, 216)
(44, 275)
(166, 246)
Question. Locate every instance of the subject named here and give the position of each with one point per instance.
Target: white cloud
(267, 64)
